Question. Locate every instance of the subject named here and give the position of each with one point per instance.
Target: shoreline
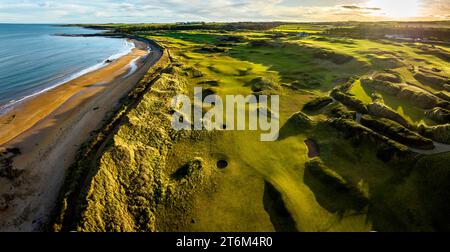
(23, 114)
(9, 105)
(49, 140)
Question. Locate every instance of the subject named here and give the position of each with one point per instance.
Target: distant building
(400, 37)
(393, 36)
(389, 36)
(190, 23)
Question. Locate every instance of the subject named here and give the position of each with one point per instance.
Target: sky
(169, 11)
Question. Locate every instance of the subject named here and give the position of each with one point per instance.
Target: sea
(34, 58)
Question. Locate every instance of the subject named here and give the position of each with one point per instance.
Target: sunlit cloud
(132, 11)
(397, 8)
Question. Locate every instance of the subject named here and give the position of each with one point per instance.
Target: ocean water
(33, 59)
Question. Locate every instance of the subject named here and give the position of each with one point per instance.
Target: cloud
(439, 9)
(356, 7)
(104, 11)
(44, 5)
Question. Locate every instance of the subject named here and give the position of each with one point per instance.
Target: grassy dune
(151, 178)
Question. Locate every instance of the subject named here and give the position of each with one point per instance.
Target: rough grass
(150, 178)
(355, 196)
(317, 103)
(397, 132)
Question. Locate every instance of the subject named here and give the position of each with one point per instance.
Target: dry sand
(49, 129)
(27, 114)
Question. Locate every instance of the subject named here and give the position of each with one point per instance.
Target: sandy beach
(27, 114)
(49, 128)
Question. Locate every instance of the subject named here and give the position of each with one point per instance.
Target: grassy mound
(295, 125)
(388, 76)
(419, 97)
(339, 111)
(413, 94)
(443, 104)
(194, 72)
(349, 101)
(300, 120)
(384, 62)
(430, 79)
(260, 84)
(306, 81)
(439, 115)
(438, 52)
(211, 49)
(132, 186)
(264, 43)
(336, 58)
(192, 168)
(382, 85)
(317, 103)
(397, 132)
(381, 110)
(444, 96)
(213, 83)
(388, 150)
(231, 38)
(440, 133)
(328, 177)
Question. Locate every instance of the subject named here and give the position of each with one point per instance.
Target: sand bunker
(222, 164)
(312, 148)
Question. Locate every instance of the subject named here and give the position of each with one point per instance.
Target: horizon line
(226, 22)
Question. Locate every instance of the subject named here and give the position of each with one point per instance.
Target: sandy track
(49, 146)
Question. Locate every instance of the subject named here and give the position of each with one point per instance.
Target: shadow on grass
(333, 200)
(274, 205)
(288, 130)
(298, 123)
(298, 63)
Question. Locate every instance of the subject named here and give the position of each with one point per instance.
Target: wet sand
(25, 115)
(49, 129)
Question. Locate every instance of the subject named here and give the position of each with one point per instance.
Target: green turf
(264, 187)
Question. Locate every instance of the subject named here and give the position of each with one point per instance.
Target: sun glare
(397, 8)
